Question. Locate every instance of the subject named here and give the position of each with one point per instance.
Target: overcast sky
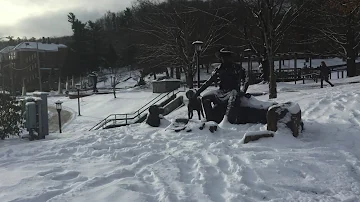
(37, 18)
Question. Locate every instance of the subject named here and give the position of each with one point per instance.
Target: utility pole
(2, 78)
(2, 73)
(38, 65)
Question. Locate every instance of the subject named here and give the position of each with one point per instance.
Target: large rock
(249, 110)
(288, 114)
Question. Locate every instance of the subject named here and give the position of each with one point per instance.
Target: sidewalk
(54, 119)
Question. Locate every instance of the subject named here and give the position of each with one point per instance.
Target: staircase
(118, 120)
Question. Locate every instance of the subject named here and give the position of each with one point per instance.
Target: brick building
(4, 67)
(21, 65)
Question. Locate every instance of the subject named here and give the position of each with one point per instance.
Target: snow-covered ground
(94, 108)
(141, 163)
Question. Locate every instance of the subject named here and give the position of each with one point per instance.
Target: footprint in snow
(66, 176)
(54, 170)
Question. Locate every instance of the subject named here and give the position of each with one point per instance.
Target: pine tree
(111, 56)
(10, 116)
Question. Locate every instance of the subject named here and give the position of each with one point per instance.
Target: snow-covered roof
(6, 49)
(32, 46)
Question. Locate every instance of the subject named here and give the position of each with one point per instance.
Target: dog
(194, 104)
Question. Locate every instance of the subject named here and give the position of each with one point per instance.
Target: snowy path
(139, 163)
(97, 107)
(66, 116)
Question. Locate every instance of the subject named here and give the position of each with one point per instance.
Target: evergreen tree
(79, 57)
(10, 116)
(94, 44)
(111, 57)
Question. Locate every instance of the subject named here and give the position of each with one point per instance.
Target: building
(22, 64)
(4, 67)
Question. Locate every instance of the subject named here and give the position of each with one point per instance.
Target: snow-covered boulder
(253, 136)
(287, 114)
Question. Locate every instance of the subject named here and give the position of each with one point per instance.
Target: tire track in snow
(353, 164)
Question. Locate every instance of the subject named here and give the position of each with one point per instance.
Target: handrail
(135, 114)
(138, 111)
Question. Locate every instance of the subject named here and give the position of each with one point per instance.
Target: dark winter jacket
(324, 71)
(230, 75)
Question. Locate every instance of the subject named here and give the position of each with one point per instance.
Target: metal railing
(131, 118)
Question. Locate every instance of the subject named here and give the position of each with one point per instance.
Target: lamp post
(38, 65)
(58, 108)
(78, 96)
(2, 70)
(198, 49)
(248, 53)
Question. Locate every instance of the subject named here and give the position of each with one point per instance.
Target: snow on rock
(287, 114)
(255, 103)
(294, 108)
(253, 136)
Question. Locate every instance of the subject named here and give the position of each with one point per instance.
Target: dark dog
(194, 104)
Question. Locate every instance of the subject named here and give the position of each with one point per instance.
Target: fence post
(338, 74)
(114, 122)
(342, 74)
(303, 79)
(280, 63)
(126, 119)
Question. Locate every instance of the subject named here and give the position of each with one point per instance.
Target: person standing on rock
(324, 74)
(230, 75)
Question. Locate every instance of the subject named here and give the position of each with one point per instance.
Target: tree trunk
(351, 65)
(178, 74)
(189, 80)
(350, 51)
(167, 72)
(154, 74)
(172, 72)
(269, 41)
(351, 57)
(272, 83)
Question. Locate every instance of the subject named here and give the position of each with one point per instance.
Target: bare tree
(274, 18)
(341, 25)
(172, 30)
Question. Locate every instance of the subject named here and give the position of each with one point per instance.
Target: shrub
(10, 116)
